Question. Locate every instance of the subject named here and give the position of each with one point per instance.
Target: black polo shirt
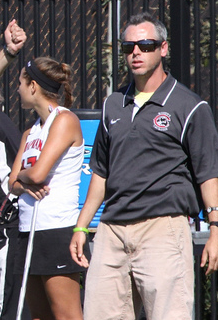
(153, 163)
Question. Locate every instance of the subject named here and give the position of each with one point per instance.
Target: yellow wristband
(81, 229)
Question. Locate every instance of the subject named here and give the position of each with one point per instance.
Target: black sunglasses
(147, 45)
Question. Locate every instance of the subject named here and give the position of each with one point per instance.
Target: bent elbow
(36, 178)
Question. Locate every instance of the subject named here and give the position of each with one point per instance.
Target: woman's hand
(38, 192)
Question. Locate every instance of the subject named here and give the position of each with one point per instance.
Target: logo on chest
(162, 121)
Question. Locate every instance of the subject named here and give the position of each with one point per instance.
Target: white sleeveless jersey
(60, 208)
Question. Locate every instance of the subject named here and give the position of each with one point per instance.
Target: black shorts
(51, 254)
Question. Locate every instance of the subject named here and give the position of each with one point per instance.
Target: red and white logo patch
(162, 121)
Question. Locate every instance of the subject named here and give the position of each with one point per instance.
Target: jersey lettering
(35, 144)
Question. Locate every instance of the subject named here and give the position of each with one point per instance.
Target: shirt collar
(160, 96)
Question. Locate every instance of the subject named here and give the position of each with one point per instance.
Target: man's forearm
(94, 199)
(209, 191)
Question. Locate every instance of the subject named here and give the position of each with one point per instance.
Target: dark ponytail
(58, 72)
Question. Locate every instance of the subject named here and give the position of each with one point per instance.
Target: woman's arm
(64, 132)
(18, 187)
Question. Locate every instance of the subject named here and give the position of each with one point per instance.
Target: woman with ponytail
(47, 169)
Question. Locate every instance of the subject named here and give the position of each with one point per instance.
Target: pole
(27, 262)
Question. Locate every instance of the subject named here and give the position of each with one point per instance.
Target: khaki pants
(149, 262)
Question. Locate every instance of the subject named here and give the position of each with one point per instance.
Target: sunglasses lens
(127, 47)
(146, 47)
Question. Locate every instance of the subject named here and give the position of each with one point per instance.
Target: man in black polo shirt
(156, 151)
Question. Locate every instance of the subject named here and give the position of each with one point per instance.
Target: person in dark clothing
(9, 143)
